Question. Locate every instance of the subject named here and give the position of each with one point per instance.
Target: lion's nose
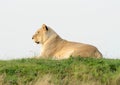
(33, 37)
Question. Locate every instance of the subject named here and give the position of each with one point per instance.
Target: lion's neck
(50, 45)
(53, 39)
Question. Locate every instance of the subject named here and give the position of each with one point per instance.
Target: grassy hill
(73, 71)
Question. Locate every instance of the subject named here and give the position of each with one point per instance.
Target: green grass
(72, 71)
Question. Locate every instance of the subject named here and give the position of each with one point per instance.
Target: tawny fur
(53, 46)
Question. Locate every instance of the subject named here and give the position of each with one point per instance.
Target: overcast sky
(95, 22)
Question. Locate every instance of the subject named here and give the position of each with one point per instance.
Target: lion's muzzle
(35, 41)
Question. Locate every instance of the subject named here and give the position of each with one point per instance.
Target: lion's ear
(45, 27)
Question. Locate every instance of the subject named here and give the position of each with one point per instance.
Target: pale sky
(95, 22)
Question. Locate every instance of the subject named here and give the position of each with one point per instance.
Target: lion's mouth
(37, 42)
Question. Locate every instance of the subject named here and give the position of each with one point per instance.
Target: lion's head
(43, 34)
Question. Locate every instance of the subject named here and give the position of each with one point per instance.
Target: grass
(72, 71)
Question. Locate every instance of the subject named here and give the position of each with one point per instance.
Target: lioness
(57, 48)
